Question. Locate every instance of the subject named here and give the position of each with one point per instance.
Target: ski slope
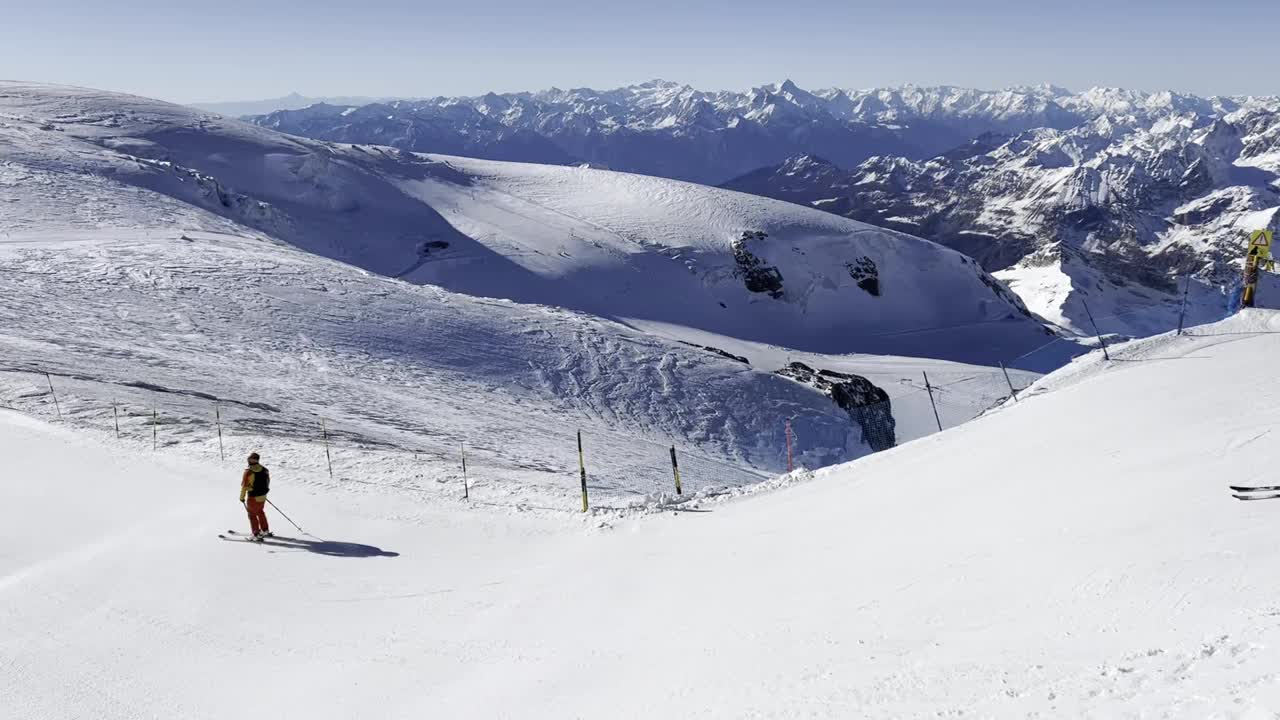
(611, 244)
(1072, 555)
(281, 340)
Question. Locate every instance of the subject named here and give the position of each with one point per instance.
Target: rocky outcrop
(717, 351)
(758, 276)
(867, 404)
(864, 273)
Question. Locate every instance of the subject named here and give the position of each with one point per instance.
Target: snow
(616, 236)
(1071, 555)
(962, 391)
(283, 340)
(590, 240)
(1062, 287)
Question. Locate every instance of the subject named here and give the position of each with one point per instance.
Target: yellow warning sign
(1260, 248)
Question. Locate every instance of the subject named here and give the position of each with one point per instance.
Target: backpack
(261, 482)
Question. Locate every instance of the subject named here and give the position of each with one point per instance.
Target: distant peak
(804, 163)
(657, 83)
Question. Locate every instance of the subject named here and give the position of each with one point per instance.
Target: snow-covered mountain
(656, 128)
(612, 244)
(1149, 185)
(673, 130)
(292, 101)
(1153, 188)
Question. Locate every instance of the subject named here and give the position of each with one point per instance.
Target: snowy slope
(1071, 555)
(611, 244)
(632, 246)
(961, 391)
(1064, 287)
(282, 339)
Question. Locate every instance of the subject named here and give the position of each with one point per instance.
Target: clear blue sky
(194, 50)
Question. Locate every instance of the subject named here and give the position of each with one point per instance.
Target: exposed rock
(867, 404)
(718, 351)
(756, 275)
(864, 273)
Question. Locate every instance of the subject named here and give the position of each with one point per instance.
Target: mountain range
(1137, 188)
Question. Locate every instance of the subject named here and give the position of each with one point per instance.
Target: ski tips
(1260, 496)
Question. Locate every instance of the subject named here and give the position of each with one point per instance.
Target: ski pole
(286, 517)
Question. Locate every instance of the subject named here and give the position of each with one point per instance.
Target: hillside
(610, 244)
(281, 339)
(1029, 563)
(1135, 200)
(1139, 188)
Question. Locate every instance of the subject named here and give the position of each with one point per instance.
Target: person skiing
(253, 495)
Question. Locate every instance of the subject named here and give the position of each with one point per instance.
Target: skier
(254, 485)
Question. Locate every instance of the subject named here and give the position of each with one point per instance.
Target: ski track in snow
(1072, 555)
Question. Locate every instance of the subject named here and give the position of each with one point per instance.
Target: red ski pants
(257, 507)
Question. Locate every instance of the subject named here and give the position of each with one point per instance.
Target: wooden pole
(54, 395)
(466, 491)
(675, 468)
(155, 420)
(217, 418)
(932, 402)
(1182, 313)
(1101, 342)
(116, 415)
(1013, 392)
(328, 458)
(582, 470)
(790, 464)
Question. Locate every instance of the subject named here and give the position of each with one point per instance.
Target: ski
(239, 536)
(1268, 496)
(1255, 488)
(245, 537)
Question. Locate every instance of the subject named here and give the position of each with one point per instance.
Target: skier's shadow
(330, 548)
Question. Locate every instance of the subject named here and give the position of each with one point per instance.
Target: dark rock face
(867, 404)
(864, 273)
(718, 351)
(756, 275)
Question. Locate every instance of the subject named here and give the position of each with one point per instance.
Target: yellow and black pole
(582, 470)
(675, 468)
(1258, 256)
(1250, 279)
